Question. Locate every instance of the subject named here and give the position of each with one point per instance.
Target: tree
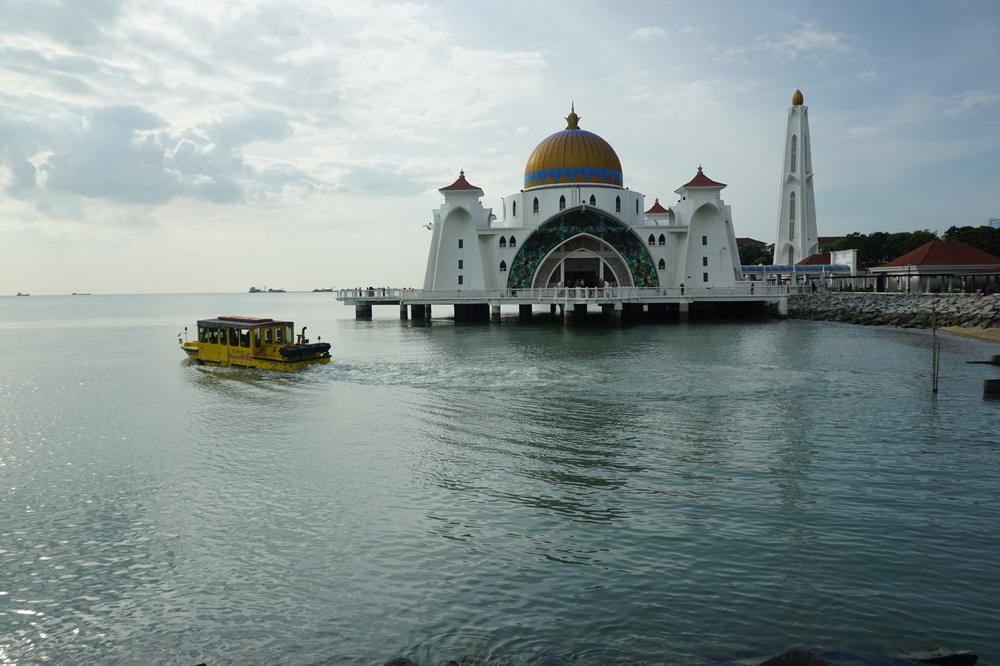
(755, 254)
(986, 239)
(880, 247)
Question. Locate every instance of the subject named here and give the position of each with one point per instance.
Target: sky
(210, 146)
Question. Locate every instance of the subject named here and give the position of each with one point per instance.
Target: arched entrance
(593, 240)
(582, 258)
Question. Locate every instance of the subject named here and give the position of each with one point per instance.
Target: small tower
(796, 237)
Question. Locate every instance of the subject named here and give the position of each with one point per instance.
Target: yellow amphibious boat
(252, 342)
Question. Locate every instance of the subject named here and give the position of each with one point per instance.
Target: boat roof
(242, 322)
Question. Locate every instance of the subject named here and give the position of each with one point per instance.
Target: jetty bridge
(613, 302)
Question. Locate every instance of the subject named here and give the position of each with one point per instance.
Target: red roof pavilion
(944, 253)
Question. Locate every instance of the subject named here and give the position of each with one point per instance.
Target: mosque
(575, 235)
(575, 223)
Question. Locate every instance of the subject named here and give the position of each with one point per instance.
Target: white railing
(577, 294)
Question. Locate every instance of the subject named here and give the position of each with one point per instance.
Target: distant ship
(80, 293)
(265, 290)
(20, 294)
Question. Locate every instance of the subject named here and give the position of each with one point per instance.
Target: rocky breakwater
(904, 310)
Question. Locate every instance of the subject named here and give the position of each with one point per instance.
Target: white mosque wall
(456, 259)
(519, 209)
(463, 232)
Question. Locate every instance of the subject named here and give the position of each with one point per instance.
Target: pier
(613, 302)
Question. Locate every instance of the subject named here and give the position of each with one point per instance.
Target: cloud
(129, 155)
(648, 34)
(808, 38)
(969, 101)
(69, 21)
(381, 180)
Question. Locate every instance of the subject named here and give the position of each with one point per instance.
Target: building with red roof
(941, 256)
(938, 265)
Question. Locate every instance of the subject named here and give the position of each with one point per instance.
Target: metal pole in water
(936, 371)
(935, 354)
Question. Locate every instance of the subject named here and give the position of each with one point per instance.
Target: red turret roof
(945, 253)
(657, 209)
(818, 259)
(461, 184)
(701, 180)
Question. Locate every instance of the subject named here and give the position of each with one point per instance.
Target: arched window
(534, 206)
(503, 266)
(663, 239)
(513, 208)
(652, 240)
(503, 242)
(513, 242)
(662, 265)
(593, 200)
(562, 203)
(791, 216)
(618, 204)
(795, 150)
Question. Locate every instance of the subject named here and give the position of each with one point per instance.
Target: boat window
(213, 336)
(245, 338)
(256, 337)
(268, 338)
(202, 335)
(289, 334)
(278, 337)
(234, 338)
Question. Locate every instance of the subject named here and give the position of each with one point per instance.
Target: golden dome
(572, 156)
(797, 98)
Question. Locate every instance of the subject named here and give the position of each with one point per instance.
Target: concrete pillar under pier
(417, 311)
(612, 313)
(362, 310)
(657, 311)
(495, 312)
(783, 308)
(402, 312)
(632, 311)
(524, 312)
(427, 312)
(683, 311)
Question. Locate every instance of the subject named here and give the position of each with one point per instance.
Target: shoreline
(991, 335)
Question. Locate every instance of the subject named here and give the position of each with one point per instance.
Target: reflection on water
(676, 493)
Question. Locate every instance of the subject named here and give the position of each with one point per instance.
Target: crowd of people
(581, 283)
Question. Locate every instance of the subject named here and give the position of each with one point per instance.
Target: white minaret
(796, 238)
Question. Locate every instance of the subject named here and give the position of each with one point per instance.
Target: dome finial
(797, 98)
(572, 120)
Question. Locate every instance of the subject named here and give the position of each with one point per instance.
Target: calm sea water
(674, 493)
